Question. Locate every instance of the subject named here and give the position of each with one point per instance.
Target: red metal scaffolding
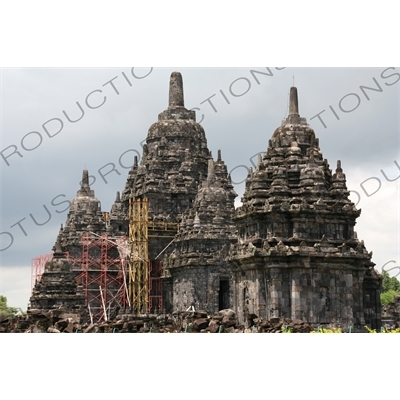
(102, 276)
(37, 269)
(102, 269)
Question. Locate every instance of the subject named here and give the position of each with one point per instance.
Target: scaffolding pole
(101, 275)
(139, 255)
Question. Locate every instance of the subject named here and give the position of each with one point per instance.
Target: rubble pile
(277, 325)
(225, 321)
(36, 321)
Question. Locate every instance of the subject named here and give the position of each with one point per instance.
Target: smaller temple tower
(197, 273)
(84, 216)
(88, 269)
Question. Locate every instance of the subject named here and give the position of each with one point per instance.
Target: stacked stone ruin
(290, 251)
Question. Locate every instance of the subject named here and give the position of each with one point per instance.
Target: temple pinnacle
(294, 116)
(211, 172)
(85, 179)
(176, 90)
(58, 253)
(294, 102)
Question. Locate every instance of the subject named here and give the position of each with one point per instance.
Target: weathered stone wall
(317, 295)
(200, 287)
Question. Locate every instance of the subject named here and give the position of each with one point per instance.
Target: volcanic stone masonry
(290, 250)
(58, 287)
(298, 255)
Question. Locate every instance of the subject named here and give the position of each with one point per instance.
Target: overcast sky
(239, 110)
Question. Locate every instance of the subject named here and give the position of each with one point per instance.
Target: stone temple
(289, 251)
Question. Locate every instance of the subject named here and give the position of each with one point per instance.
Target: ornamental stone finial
(176, 90)
(294, 102)
(85, 179)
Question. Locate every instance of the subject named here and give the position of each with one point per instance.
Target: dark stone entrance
(224, 294)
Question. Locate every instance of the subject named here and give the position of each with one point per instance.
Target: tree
(6, 311)
(390, 288)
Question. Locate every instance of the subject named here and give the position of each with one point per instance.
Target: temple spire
(85, 179)
(294, 102)
(176, 105)
(294, 116)
(211, 172)
(58, 253)
(176, 90)
(85, 188)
